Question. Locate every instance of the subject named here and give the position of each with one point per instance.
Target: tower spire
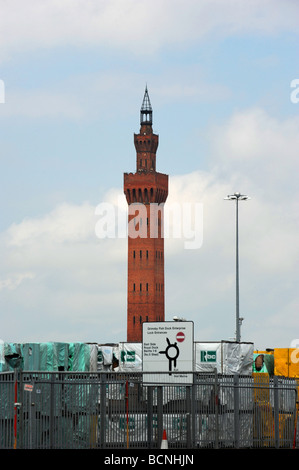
(146, 112)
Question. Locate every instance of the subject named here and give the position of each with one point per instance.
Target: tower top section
(146, 142)
(146, 112)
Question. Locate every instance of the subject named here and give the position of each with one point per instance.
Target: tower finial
(146, 112)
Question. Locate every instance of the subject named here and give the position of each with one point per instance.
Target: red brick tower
(146, 192)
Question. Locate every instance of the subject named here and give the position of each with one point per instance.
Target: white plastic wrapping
(225, 356)
(130, 357)
(208, 357)
(237, 358)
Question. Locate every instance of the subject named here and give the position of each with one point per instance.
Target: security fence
(63, 410)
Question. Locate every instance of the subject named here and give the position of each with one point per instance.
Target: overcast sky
(221, 76)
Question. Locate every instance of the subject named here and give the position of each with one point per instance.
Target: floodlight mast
(236, 197)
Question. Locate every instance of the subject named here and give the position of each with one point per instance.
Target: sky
(223, 81)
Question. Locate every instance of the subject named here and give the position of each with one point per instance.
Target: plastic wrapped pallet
(93, 357)
(61, 351)
(237, 358)
(13, 356)
(2, 358)
(82, 357)
(226, 357)
(208, 357)
(31, 356)
(45, 356)
(49, 356)
(100, 360)
(130, 357)
(107, 354)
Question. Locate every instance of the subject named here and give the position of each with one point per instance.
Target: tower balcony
(146, 187)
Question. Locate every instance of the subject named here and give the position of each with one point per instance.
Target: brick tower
(146, 192)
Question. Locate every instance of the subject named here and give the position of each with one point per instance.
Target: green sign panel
(208, 356)
(127, 356)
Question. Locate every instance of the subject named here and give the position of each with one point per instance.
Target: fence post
(103, 380)
(51, 412)
(193, 409)
(17, 409)
(236, 411)
(276, 412)
(216, 395)
(150, 422)
(15, 426)
(159, 414)
(21, 410)
(295, 419)
(188, 416)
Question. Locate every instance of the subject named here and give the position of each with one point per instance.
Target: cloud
(260, 150)
(66, 223)
(132, 25)
(13, 282)
(73, 280)
(42, 103)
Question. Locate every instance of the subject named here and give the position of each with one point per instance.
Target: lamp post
(236, 197)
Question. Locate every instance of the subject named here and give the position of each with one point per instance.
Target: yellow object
(286, 362)
(261, 388)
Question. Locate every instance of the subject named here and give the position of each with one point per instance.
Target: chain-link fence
(63, 410)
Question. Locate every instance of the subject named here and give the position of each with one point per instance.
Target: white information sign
(168, 347)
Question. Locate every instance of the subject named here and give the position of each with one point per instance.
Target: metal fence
(62, 410)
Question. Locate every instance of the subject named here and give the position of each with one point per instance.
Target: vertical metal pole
(276, 412)
(296, 419)
(15, 406)
(51, 412)
(21, 412)
(236, 197)
(159, 414)
(236, 411)
(216, 410)
(193, 402)
(237, 273)
(150, 416)
(103, 380)
(29, 419)
(127, 411)
(188, 416)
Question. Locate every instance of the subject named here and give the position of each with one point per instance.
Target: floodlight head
(236, 196)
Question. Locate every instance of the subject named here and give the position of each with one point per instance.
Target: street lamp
(236, 197)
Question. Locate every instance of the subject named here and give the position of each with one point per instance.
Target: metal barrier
(63, 410)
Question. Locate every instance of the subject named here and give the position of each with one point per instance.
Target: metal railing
(63, 410)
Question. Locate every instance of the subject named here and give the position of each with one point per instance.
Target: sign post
(168, 347)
